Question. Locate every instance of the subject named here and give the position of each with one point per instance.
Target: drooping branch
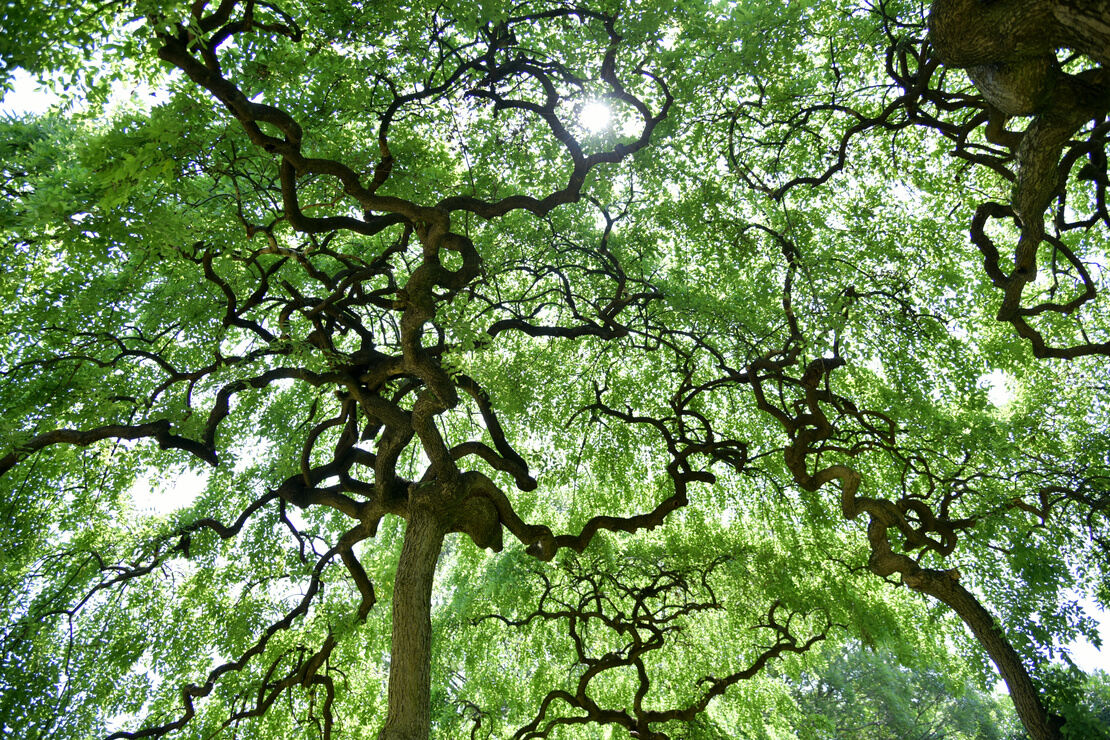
(159, 431)
(304, 671)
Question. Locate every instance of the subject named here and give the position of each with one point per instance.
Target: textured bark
(1086, 24)
(996, 43)
(945, 587)
(1009, 47)
(941, 586)
(410, 667)
(970, 33)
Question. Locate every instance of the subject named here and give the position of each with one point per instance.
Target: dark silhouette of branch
(645, 607)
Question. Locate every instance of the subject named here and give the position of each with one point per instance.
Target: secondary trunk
(944, 587)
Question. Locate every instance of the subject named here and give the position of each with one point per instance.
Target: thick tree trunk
(1008, 47)
(410, 667)
(970, 33)
(945, 587)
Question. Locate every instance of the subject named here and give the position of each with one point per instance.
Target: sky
(29, 97)
(26, 97)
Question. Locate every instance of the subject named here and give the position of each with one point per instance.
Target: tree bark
(971, 33)
(945, 587)
(1023, 693)
(1008, 47)
(410, 667)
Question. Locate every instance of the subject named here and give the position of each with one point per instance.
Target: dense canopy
(551, 369)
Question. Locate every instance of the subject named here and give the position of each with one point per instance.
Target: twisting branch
(305, 670)
(1009, 50)
(644, 609)
(921, 529)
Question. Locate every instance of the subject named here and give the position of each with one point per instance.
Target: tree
(869, 694)
(715, 363)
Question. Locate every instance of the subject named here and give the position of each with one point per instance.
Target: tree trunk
(943, 587)
(410, 666)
